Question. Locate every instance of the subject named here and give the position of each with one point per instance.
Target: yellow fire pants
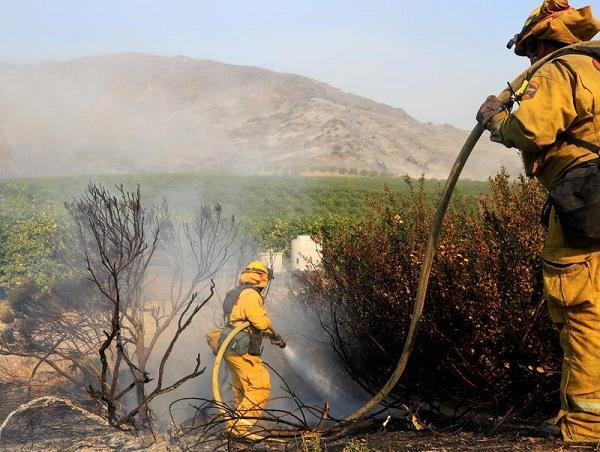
(251, 385)
(572, 291)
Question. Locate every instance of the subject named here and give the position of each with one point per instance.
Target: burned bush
(100, 324)
(485, 336)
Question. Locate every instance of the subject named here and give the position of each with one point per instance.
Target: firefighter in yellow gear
(557, 128)
(250, 379)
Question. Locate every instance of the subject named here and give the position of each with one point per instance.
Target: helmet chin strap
(270, 277)
(265, 290)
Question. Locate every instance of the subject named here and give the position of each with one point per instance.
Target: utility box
(306, 253)
(273, 260)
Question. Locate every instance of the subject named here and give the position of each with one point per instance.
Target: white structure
(306, 253)
(273, 260)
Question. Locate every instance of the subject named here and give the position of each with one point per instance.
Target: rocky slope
(143, 113)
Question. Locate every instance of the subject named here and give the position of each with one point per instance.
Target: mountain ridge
(131, 112)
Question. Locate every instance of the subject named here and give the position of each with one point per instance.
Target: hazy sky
(435, 59)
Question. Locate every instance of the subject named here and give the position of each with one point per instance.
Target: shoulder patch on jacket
(530, 91)
(597, 64)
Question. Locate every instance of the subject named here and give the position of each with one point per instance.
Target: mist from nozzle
(308, 364)
(323, 382)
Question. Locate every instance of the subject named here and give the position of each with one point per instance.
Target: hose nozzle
(513, 41)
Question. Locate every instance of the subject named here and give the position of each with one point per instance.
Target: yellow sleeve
(547, 109)
(254, 310)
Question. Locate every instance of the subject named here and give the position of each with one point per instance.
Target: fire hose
(436, 227)
(430, 250)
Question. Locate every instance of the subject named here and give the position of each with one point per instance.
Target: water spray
(307, 372)
(312, 374)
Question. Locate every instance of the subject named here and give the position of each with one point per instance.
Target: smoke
(308, 364)
(135, 113)
(132, 113)
(326, 381)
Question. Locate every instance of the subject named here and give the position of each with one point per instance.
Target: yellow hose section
(215, 382)
(217, 366)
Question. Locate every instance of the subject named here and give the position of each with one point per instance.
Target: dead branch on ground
(41, 402)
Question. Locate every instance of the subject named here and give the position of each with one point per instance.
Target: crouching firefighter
(557, 129)
(250, 379)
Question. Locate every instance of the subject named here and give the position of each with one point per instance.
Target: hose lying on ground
(432, 245)
(45, 401)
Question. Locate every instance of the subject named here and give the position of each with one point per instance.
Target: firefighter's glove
(278, 340)
(490, 108)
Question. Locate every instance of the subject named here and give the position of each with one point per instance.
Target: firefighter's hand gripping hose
(432, 244)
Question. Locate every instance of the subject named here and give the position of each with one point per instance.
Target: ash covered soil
(59, 428)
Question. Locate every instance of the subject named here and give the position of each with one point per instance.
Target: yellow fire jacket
(250, 307)
(563, 96)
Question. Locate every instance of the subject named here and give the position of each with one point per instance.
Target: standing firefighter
(250, 379)
(557, 129)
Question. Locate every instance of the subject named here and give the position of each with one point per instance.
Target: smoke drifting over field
(131, 113)
(137, 114)
(309, 364)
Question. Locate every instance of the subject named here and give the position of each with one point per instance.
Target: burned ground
(510, 347)
(59, 428)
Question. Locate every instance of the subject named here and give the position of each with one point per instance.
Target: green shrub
(311, 442)
(358, 445)
(29, 250)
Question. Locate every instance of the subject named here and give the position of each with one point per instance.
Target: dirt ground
(58, 428)
(69, 432)
(463, 441)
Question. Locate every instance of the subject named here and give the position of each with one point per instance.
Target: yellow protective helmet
(556, 20)
(257, 274)
(257, 266)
